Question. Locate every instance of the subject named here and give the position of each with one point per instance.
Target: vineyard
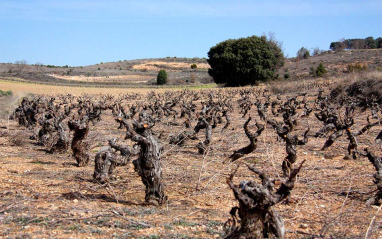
(293, 161)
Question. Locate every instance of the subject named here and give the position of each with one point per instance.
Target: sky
(86, 32)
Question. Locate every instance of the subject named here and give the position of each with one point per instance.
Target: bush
(319, 71)
(286, 76)
(357, 67)
(303, 53)
(6, 93)
(162, 77)
(317, 51)
(244, 61)
(194, 66)
(363, 88)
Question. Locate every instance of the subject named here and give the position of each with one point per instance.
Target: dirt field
(48, 196)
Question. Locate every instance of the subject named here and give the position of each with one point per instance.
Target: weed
(123, 236)
(213, 223)
(135, 227)
(74, 227)
(152, 236)
(184, 223)
(103, 221)
(27, 220)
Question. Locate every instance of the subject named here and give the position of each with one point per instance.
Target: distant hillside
(336, 62)
(143, 72)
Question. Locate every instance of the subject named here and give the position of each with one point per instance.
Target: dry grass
(158, 65)
(133, 79)
(360, 86)
(26, 88)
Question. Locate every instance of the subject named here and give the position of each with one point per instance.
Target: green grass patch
(6, 93)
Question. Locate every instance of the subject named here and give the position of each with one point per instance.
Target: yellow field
(19, 88)
(156, 65)
(118, 78)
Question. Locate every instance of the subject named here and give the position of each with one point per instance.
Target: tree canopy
(367, 43)
(244, 61)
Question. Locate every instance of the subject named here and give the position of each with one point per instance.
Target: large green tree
(244, 61)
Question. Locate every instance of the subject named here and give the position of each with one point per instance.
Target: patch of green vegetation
(74, 227)
(123, 236)
(95, 230)
(215, 232)
(152, 236)
(103, 221)
(215, 228)
(206, 86)
(134, 226)
(357, 67)
(40, 162)
(28, 220)
(213, 223)
(179, 236)
(319, 71)
(6, 93)
(184, 223)
(121, 225)
(146, 211)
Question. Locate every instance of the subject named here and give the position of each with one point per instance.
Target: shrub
(319, 71)
(303, 53)
(316, 51)
(6, 93)
(162, 77)
(286, 76)
(357, 67)
(244, 61)
(363, 88)
(194, 66)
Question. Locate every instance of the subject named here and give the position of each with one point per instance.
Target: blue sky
(75, 32)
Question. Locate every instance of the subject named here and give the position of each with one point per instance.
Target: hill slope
(141, 73)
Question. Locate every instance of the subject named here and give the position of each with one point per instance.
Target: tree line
(367, 43)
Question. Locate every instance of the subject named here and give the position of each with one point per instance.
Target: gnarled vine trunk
(62, 143)
(148, 164)
(107, 159)
(257, 217)
(79, 146)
